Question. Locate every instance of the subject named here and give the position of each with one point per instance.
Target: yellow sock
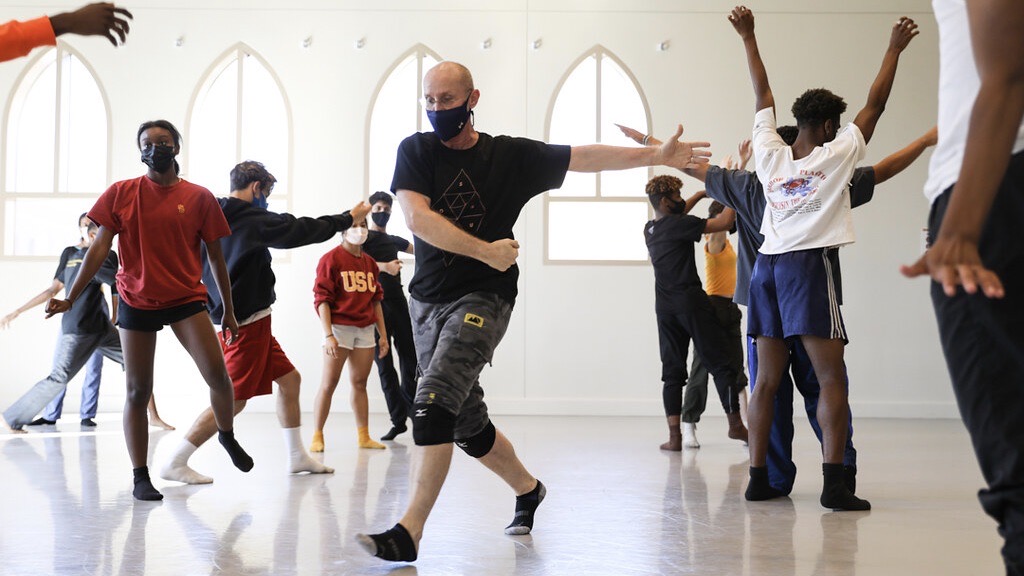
(317, 445)
(366, 442)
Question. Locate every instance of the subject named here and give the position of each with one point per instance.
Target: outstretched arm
(898, 161)
(100, 19)
(902, 33)
(36, 300)
(997, 36)
(721, 223)
(699, 172)
(742, 20)
(673, 152)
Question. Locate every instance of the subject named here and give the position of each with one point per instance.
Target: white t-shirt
(808, 199)
(958, 88)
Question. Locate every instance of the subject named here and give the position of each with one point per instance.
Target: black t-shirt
(89, 314)
(670, 243)
(385, 248)
(481, 190)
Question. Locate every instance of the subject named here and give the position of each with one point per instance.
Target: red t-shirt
(160, 232)
(350, 284)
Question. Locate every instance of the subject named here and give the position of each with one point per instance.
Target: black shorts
(130, 318)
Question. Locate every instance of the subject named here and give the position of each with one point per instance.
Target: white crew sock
(177, 468)
(298, 459)
(690, 435)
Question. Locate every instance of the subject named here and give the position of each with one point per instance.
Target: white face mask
(356, 236)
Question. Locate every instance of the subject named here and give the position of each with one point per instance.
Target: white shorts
(352, 337)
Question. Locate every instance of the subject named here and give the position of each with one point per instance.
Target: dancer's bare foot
(159, 423)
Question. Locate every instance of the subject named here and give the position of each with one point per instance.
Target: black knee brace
(432, 425)
(480, 444)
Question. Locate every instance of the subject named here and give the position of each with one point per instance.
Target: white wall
(583, 338)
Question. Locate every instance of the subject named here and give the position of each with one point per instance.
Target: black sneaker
(395, 431)
(41, 422)
(88, 422)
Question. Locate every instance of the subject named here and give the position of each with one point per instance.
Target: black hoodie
(246, 252)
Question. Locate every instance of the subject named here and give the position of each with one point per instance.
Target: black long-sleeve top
(246, 251)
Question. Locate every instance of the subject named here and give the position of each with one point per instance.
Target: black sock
(850, 478)
(396, 429)
(835, 494)
(526, 505)
(144, 489)
(239, 458)
(759, 488)
(395, 544)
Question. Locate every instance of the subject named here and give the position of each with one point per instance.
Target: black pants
(983, 341)
(398, 393)
(695, 318)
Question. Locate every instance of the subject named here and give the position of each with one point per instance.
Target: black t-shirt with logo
(482, 190)
(670, 243)
(385, 248)
(89, 314)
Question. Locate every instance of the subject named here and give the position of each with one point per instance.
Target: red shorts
(254, 360)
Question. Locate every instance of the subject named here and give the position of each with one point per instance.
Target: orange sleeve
(19, 38)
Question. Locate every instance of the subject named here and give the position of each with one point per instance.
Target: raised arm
(902, 33)
(673, 152)
(898, 161)
(997, 36)
(742, 19)
(691, 202)
(438, 231)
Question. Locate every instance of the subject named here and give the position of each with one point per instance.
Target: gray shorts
(453, 342)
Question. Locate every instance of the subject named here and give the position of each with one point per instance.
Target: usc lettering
(353, 281)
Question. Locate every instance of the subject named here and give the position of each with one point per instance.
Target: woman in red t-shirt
(163, 221)
(347, 297)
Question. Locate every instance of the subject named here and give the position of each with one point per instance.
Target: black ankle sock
(850, 478)
(526, 505)
(144, 489)
(759, 488)
(239, 458)
(835, 494)
(395, 544)
(396, 429)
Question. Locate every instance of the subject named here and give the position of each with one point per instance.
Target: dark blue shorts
(154, 320)
(795, 294)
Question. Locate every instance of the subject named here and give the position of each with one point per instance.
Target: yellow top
(720, 271)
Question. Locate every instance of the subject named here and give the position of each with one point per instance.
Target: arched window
(239, 112)
(582, 218)
(57, 149)
(395, 113)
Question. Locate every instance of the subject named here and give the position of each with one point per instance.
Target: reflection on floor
(616, 505)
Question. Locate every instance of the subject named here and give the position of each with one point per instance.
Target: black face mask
(381, 218)
(676, 207)
(159, 158)
(449, 123)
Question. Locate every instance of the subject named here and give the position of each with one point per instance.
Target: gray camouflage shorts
(453, 342)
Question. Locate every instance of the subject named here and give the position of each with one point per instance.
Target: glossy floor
(616, 505)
